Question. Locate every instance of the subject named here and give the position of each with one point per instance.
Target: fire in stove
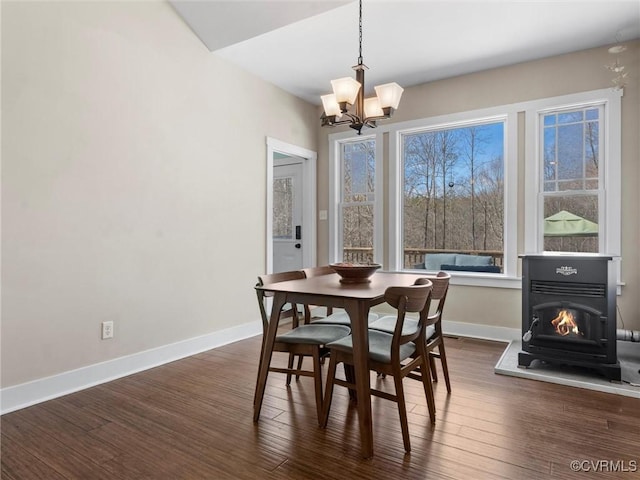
(565, 324)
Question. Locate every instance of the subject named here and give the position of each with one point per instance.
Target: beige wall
(571, 73)
(133, 183)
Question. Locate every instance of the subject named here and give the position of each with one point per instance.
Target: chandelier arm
(375, 117)
(332, 121)
(351, 119)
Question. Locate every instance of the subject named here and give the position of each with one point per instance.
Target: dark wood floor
(191, 419)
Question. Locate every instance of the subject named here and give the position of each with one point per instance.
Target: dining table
(356, 299)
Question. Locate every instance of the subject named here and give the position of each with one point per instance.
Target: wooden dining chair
(332, 318)
(304, 340)
(433, 333)
(396, 354)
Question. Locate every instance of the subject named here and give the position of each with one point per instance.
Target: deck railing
(357, 255)
(415, 256)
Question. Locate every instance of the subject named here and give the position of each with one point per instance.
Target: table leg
(279, 300)
(358, 312)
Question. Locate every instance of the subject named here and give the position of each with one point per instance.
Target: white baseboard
(27, 394)
(43, 389)
(483, 332)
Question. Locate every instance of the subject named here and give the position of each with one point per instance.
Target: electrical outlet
(107, 330)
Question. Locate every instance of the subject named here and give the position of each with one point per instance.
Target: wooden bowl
(355, 272)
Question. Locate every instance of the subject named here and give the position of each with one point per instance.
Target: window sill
(472, 279)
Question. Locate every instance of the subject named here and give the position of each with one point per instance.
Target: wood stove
(569, 312)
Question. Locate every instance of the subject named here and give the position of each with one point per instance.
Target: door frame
(308, 200)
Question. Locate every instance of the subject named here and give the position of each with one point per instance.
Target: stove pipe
(628, 335)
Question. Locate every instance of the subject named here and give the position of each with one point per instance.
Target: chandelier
(348, 92)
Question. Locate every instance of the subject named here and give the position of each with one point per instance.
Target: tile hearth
(628, 355)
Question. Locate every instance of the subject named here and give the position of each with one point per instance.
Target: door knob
(297, 245)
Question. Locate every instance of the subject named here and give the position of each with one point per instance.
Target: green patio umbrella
(566, 224)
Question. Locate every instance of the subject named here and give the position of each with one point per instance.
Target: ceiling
(301, 45)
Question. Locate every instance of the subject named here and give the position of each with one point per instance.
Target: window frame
(609, 196)
(598, 193)
(508, 278)
(336, 141)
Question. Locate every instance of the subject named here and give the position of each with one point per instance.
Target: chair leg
(295, 322)
(445, 368)
(290, 367)
(300, 359)
(428, 391)
(432, 367)
(255, 392)
(328, 392)
(317, 377)
(350, 376)
(402, 411)
(425, 375)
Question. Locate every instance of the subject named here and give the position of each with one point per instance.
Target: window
(573, 155)
(357, 200)
(571, 194)
(452, 187)
(453, 197)
(283, 208)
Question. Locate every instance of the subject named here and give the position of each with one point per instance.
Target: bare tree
(358, 180)
(592, 143)
(448, 152)
(439, 167)
(420, 175)
(473, 139)
(490, 187)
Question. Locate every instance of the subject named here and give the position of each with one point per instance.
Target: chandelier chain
(360, 35)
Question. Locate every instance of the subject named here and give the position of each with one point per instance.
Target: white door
(287, 214)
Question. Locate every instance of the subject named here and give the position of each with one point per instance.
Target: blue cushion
(462, 259)
(433, 261)
(472, 268)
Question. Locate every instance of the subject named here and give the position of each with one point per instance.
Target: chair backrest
(280, 277)
(318, 271)
(422, 281)
(439, 293)
(410, 299)
(275, 278)
(415, 298)
(440, 285)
